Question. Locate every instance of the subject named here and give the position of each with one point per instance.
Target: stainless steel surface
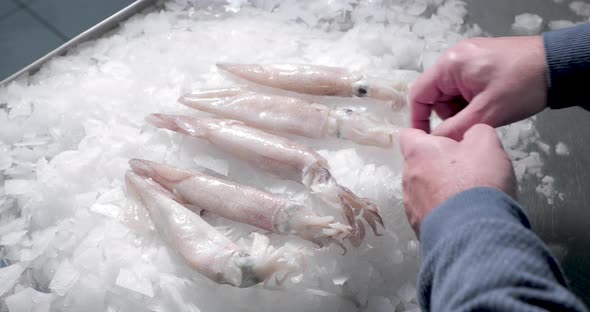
(94, 32)
(564, 225)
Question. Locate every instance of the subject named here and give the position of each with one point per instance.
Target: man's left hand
(437, 168)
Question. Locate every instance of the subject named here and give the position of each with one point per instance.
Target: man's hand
(495, 81)
(436, 168)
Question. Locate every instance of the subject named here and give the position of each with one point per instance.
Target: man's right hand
(495, 81)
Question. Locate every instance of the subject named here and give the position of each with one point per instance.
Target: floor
(30, 29)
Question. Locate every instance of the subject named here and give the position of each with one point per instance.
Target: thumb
(456, 126)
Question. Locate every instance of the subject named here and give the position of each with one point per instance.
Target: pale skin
(477, 161)
(479, 84)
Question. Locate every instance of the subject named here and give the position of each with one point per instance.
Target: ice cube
(89, 295)
(543, 147)
(115, 230)
(407, 292)
(379, 304)
(85, 200)
(29, 300)
(562, 149)
(171, 293)
(547, 188)
(12, 238)
(581, 8)
(429, 59)
(5, 158)
(340, 280)
(88, 258)
(9, 276)
(17, 186)
(65, 277)
(34, 141)
(519, 171)
(112, 195)
(41, 240)
(130, 280)
(559, 24)
(533, 163)
(415, 7)
(12, 226)
(412, 308)
(21, 109)
(107, 210)
(527, 24)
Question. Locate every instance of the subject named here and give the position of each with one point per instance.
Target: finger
(454, 127)
(423, 94)
(450, 108)
(416, 143)
(482, 134)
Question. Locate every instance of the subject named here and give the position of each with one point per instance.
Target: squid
(203, 247)
(289, 115)
(270, 212)
(280, 157)
(319, 80)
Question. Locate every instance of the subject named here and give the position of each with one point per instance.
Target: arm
(480, 254)
(568, 60)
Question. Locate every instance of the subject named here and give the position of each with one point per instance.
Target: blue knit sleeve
(568, 60)
(479, 254)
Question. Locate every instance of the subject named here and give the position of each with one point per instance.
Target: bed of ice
(69, 240)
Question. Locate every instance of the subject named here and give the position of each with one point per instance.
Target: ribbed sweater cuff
(468, 206)
(568, 60)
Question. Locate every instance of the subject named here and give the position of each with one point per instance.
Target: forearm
(568, 60)
(480, 254)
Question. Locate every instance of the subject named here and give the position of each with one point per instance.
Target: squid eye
(360, 90)
(348, 111)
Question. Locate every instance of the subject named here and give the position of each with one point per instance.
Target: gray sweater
(478, 251)
(479, 254)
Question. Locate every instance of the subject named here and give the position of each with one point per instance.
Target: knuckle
(468, 45)
(407, 201)
(461, 53)
(453, 57)
(411, 176)
(410, 153)
(489, 132)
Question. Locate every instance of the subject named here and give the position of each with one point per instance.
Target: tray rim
(92, 33)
